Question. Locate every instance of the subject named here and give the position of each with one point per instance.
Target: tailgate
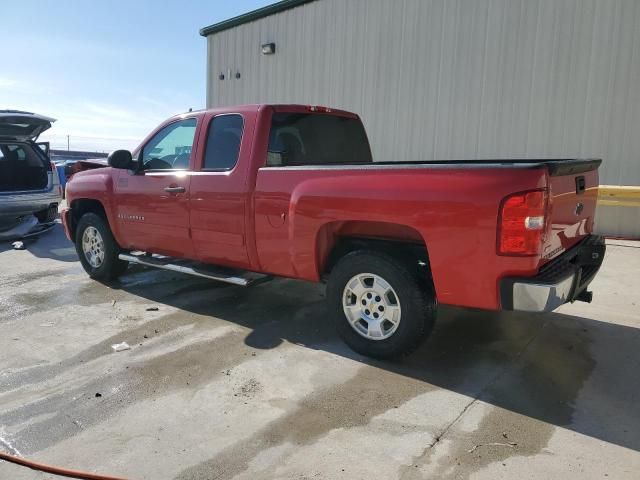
(573, 193)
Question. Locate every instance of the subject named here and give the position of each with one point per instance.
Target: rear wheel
(381, 309)
(97, 249)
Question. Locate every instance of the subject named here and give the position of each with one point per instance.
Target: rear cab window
(316, 139)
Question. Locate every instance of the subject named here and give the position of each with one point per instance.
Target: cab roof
(278, 107)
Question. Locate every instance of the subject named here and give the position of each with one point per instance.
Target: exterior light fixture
(268, 48)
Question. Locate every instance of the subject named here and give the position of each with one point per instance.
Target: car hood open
(22, 126)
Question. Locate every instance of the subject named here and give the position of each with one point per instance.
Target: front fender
(97, 186)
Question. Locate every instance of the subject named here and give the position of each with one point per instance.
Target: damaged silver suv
(30, 190)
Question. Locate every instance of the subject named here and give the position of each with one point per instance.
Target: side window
(223, 142)
(170, 148)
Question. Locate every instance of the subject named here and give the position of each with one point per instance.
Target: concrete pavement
(223, 382)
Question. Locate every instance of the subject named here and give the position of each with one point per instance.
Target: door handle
(175, 189)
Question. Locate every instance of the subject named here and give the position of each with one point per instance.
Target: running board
(220, 274)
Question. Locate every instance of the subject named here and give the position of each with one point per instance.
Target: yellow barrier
(619, 196)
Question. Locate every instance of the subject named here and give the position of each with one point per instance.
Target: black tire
(47, 215)
(111, 267)
(416, 299)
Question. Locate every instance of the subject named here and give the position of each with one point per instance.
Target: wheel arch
(81, 206)
(337, 239)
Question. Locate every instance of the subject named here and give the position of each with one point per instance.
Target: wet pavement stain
(39, 373)
(534, 394)
(183, 369)
(369, 393)
(203, 308)
(526, 403)
(10, 309)
(87, 292)
(462, 340)
(501, 435)
(28, 277)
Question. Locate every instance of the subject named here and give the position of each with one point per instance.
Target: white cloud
(109, 111)
(99, 123)
(88, 143)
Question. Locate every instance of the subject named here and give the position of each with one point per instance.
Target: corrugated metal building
(455, 79)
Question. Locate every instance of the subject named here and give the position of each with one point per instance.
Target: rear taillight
(522, 223)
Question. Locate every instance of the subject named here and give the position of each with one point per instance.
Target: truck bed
(556, 167)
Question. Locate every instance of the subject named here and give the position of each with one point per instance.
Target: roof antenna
(191, 109)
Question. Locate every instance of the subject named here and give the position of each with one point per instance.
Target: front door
(219, 193)
(152, 207)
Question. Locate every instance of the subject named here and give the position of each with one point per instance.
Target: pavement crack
(480, 394)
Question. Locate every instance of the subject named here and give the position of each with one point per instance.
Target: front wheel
(97, 249)
(381, 309)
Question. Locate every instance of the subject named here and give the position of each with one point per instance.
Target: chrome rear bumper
(563, 280)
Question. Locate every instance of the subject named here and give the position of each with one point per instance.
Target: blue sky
(109, 71)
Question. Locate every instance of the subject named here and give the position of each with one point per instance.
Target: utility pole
(67, 143)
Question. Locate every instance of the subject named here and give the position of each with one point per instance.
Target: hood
(22, 126)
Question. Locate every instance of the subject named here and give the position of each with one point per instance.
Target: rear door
(573, 193)
(152, 208)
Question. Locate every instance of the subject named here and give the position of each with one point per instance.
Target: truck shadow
(51, 244)
(569, 371)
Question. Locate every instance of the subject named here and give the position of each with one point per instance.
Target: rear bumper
(25, 203)
(560, 281)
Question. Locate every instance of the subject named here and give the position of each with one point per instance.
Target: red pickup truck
(240, 194)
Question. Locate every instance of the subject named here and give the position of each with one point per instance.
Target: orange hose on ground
(64, 472)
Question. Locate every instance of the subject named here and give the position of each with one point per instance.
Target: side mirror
(121, 159)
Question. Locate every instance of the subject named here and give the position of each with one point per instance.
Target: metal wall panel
(454, 79)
